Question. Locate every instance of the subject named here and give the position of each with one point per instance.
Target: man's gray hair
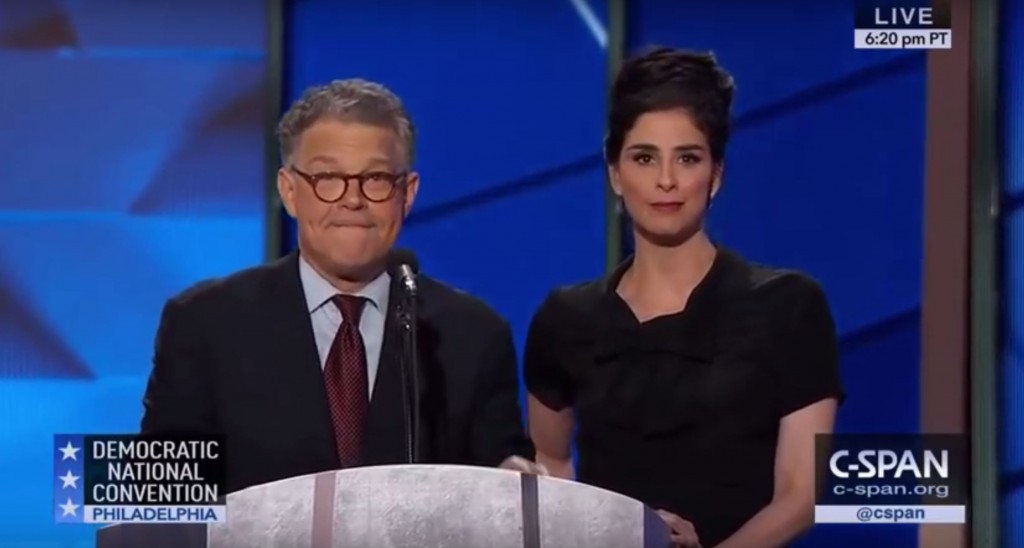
(354, 100)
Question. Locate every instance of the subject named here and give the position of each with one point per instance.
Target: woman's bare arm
(551, 432)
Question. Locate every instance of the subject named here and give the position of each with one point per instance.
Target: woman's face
(665, 176)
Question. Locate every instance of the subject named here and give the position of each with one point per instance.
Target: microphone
(404, 266)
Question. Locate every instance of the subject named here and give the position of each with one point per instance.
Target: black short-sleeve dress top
(682, 411)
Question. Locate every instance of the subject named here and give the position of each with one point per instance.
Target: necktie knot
(350, 306)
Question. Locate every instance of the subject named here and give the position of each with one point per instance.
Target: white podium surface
(426, 506)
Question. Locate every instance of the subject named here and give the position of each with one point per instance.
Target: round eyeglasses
(375, 186)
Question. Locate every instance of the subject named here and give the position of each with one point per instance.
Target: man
(298, 362)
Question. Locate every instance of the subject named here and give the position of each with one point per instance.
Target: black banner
(135, 470)
(902, 14)
(895, 469)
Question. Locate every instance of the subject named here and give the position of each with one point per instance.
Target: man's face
(351, 236)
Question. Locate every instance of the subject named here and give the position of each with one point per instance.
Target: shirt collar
(318, 290)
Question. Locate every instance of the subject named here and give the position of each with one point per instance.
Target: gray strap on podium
(655, 535)
(323, 510)
(531, 513)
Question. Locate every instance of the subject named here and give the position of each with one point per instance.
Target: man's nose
(353, 197)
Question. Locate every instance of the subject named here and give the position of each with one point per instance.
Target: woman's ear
(716, 181)
(613, 180)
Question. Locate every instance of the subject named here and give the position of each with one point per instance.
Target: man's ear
(412, 186)
(286, 191)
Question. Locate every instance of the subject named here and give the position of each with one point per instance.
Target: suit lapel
(294, 357)
(386, 426)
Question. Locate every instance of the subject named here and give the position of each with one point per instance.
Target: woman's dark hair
(665, 79)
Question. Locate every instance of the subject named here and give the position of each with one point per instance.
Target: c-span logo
(146, 479)
(913, 478)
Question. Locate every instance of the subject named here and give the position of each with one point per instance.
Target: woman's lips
(667, 207)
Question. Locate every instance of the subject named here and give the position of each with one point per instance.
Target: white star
(69, 480)
(69, 451)
(69, 508)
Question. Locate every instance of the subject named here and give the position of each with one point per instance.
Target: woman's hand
(683, 533)
(519, 464)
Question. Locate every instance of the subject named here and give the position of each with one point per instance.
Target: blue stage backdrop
(132, 149)
(1011, 423)
(509, 99)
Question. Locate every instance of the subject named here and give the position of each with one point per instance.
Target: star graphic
(69, 451)
(69, 480)
(69, 508)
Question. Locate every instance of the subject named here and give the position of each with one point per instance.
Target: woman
(695, 381)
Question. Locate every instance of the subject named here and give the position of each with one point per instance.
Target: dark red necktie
(345, 378)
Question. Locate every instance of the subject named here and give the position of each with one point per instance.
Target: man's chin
(363, 267)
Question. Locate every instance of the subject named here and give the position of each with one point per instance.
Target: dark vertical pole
(616, 49)
(946, 253)
(274, 85)
(985, 189)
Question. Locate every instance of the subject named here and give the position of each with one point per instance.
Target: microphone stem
(410, 378)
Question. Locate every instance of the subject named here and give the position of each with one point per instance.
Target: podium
(412, 506)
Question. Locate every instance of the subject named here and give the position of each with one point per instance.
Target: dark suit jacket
(237, 357)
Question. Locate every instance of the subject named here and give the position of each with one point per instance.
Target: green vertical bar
(984, 323)
(616, 49)
(274, 84)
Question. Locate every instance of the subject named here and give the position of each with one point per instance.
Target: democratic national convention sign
(138, 479)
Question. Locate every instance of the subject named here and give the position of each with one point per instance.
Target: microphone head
(399, 257)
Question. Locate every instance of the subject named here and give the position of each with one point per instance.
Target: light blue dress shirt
(326, 318)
